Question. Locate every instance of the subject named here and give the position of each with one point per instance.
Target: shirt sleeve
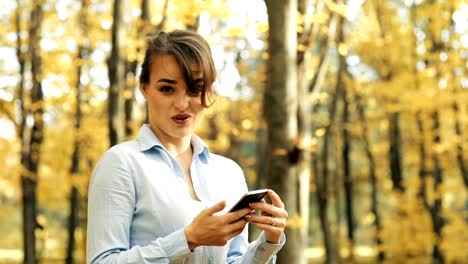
(111, 204)
(259, 251)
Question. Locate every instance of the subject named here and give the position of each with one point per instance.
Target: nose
(182, 100)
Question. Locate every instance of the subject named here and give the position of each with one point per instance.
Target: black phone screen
(250, 197)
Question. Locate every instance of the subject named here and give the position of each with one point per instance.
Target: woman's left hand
(272, 219)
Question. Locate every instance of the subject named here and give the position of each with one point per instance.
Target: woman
(163, 197)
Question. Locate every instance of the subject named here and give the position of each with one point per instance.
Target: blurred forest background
(355, 112)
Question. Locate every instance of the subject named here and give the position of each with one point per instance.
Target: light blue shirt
(139, 204)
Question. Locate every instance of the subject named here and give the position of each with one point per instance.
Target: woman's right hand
(208, 229)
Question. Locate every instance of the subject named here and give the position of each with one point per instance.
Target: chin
(182, 134)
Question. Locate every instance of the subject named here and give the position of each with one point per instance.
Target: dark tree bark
(323, 180)
(436, 208)
(394, 151)
(32, 154)
(394, 136)
(73, 220)
(116, 68)
(130, 69)
(347, 177)
(422, 170)
(280, 109)
(372, 174)
(462, 163)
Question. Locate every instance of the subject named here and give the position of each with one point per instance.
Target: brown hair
(187, 47)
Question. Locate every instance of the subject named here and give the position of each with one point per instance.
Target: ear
(144, 89)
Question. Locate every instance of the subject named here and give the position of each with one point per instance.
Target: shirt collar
(147, 140)
(199, 147)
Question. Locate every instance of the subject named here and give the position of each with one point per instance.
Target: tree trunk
(372, 175)
(304, 159)
(32, 155)
(324, 180)
(462, 164)
(21, 133)
(436, 208)
(130, 69)
(304, 125)
(73, 220)
(74, 170)
(422, 170)
(347, 178)
(394, 151)
(116, 68)
(394, 137)
(280, 108)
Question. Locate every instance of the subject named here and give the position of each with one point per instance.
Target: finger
(237, 231)
(275, 199)
(267, 220)
(270, 209)
(214, 209)
(240, 224)
(236, 215)
(267, 228)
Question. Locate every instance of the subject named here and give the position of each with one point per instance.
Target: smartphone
(249, 197)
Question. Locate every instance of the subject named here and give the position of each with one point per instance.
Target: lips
(181, 118)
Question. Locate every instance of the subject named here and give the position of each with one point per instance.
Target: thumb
(215, 208)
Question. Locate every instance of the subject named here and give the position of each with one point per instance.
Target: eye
(166, 89)
(195, 90)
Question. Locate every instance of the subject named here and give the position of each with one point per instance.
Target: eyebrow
(167, 81)
(174, 81)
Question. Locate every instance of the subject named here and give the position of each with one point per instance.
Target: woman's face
(174, 111)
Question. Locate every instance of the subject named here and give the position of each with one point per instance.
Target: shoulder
(115, 162)
(120, 152)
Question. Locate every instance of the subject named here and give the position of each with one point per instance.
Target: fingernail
(248, 216)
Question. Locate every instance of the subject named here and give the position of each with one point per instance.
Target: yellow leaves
(343, 49)
(407, 227)
(368, 219)
(214, 7)
(262, 27)
(236, 32)
(337, 8)
(320, 18)
(247, 124)
(301, 47)
(320, 132)
(454, 239)
(64, 60)
(295, 222)
(41, 220)
(300, 18)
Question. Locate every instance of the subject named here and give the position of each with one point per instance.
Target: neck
(178, 149)
(175, 146)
